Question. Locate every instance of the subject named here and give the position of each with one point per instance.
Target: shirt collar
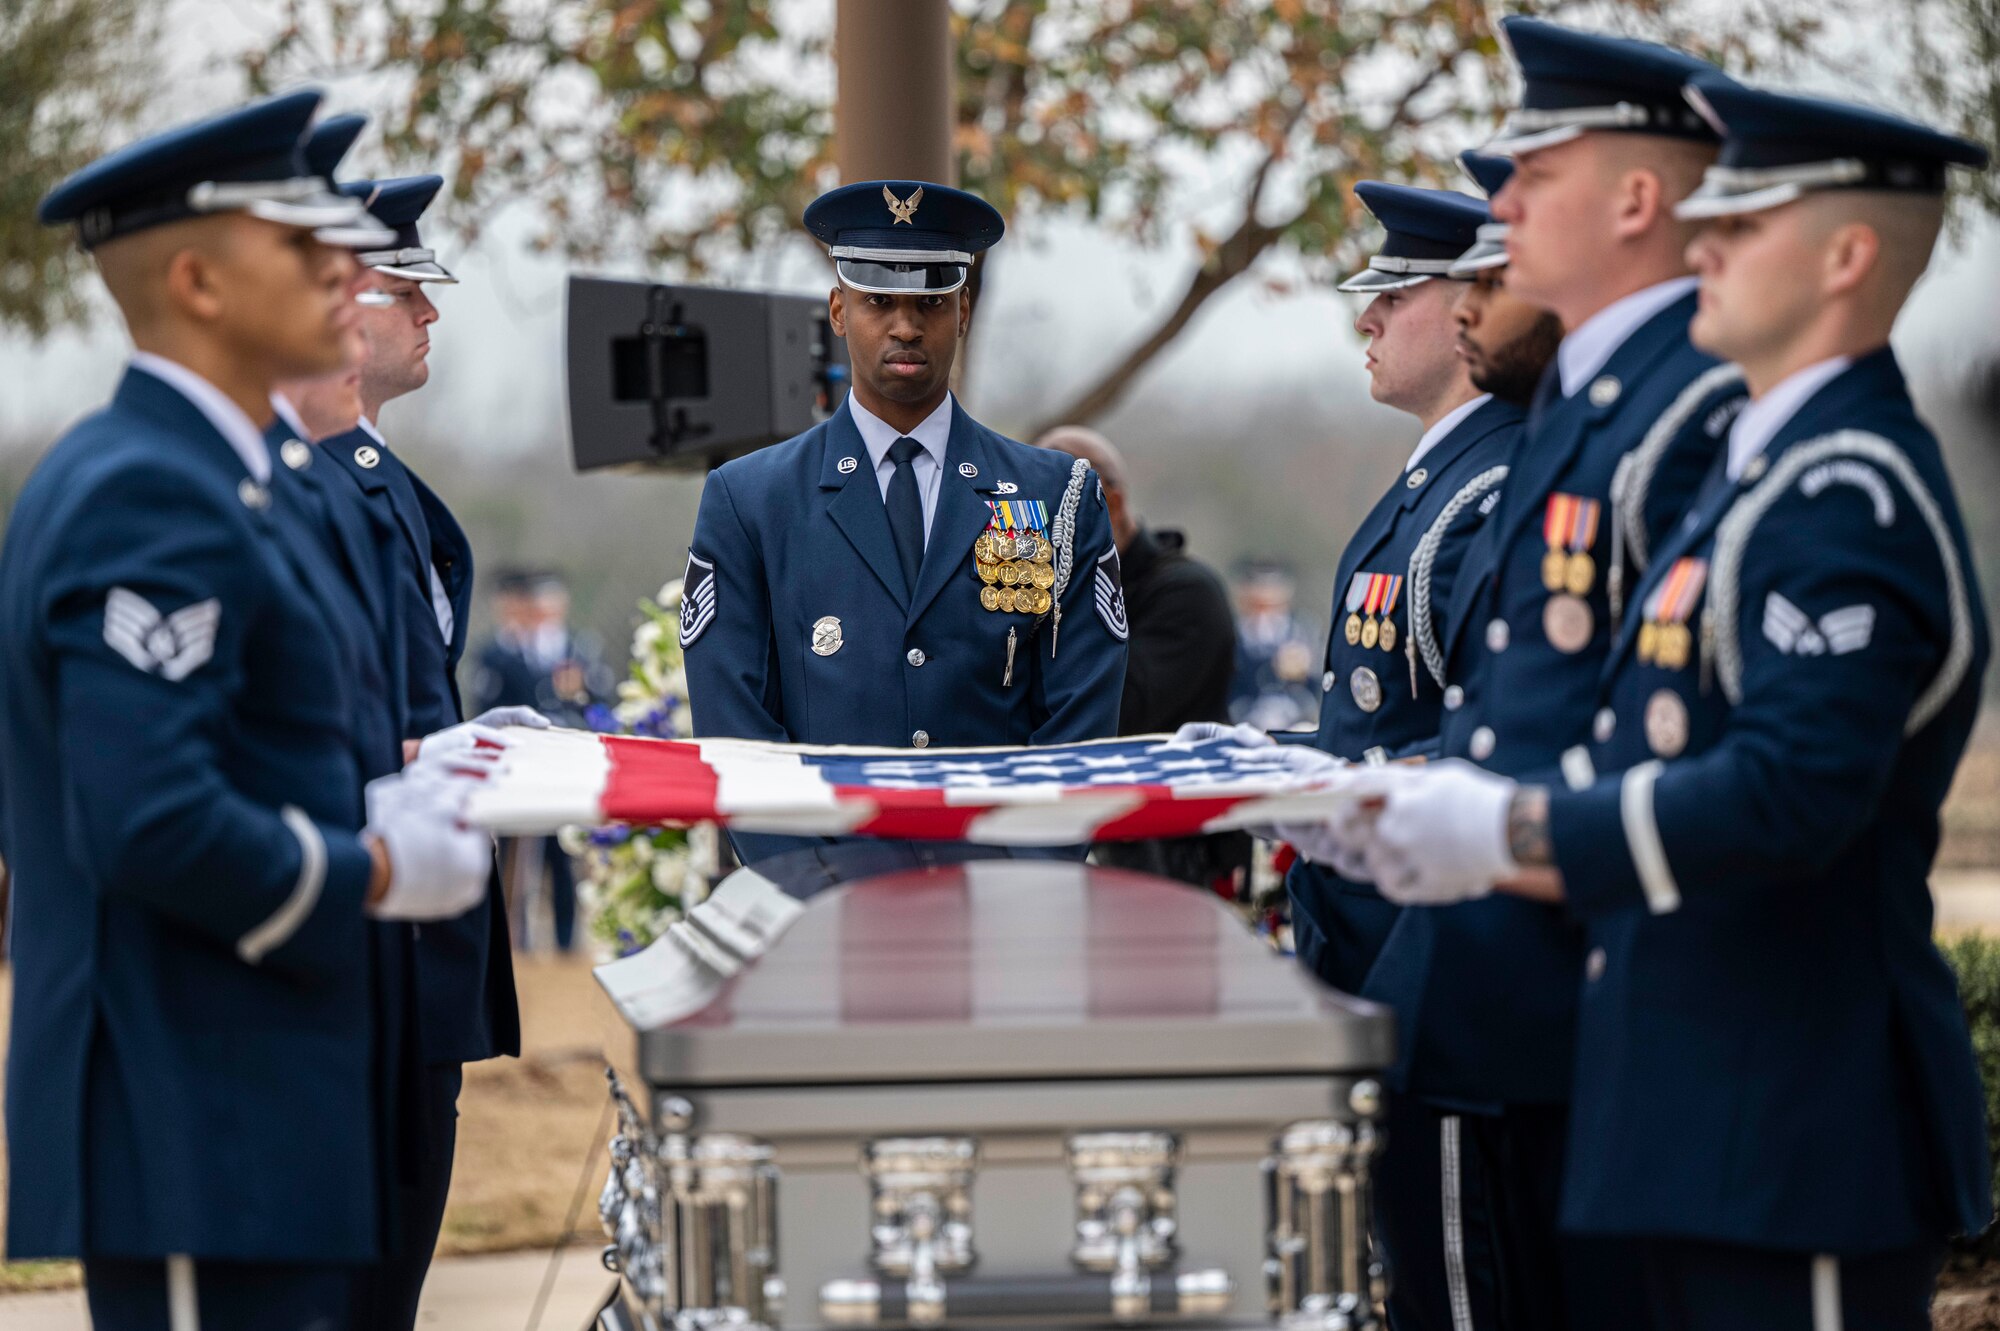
(288, 416)
(877, 434)
(1594, 341)
(1761, 418)
(1437, 433)
(373, 433)
(230, 421)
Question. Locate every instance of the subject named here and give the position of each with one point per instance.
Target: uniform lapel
(377, 482)
(448, 536)
(290, 521)
(961, 510)
(855, 504)
(346, 520)
(1558, 429)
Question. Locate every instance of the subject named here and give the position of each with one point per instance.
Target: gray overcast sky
(1064, 301)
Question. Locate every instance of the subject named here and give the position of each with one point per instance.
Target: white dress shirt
(230, 421)
(934, 433)
(1436, 434)
(1761, 418)
(440, 602)
(1594, 341)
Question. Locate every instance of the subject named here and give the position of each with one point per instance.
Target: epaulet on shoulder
(1858, 458)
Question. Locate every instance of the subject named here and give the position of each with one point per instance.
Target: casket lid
(1012, 970)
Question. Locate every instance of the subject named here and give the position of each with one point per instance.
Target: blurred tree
(68, 68)
(1957, 67)
(686, 131)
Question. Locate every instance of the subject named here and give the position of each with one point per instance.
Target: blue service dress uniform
(465, 967)
(797, 625)
(189, 1064)
(1381, 699)
(1484, 991)
(1382, 705)
(1770, 1050)
(460, 971)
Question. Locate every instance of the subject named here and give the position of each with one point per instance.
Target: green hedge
(1976, 958)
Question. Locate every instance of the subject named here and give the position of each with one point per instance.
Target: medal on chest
(1665, 640)
(1569, 529)
(1371, 601)
(1014, 558)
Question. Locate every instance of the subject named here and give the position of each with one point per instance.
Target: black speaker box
(685, 378)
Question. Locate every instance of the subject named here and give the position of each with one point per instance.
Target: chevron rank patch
(170, 646)
(1108, 588)
(1835, 633)
(697, 599)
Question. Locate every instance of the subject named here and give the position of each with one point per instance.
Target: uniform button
(1603, 724)
(920, 740)
(1327, 681)
(1496, 635)
(1481, 745)
(1454, 697)
(915, 656)
(1593, 965)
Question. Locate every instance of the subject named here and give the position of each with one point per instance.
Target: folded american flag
(1106, 790)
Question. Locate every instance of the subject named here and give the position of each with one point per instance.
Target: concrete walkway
(463, 1294)
(1967, 900)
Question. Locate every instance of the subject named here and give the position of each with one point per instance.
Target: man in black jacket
(1177, 664)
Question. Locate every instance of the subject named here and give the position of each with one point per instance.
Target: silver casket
(997, 1090)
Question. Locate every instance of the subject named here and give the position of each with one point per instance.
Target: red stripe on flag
(655, 781)
(1163, 815)
(913, 815)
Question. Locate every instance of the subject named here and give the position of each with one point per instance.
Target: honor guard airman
(1383, 684)
(901, 575)
(462, 970)
(190, 1106)
(1775, 1090)
(1618, 435)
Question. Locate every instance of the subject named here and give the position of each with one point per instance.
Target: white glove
(496, 717)
(1441, 835)
(437, 865)
(1244, 737)
(1338, 842)
(473, 747)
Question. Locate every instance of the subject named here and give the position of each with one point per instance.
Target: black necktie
(906, 510)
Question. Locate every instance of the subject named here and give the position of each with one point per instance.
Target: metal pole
(893, 114)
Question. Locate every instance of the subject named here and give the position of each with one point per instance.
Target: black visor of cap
(896, 279)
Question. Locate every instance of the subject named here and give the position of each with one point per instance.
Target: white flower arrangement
(638, 880)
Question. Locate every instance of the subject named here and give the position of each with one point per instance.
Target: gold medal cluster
(1567, 621)
(1669, 646)
(1371, 632)
(1018, 569)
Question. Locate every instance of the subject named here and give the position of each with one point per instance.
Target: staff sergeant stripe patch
(697, 599)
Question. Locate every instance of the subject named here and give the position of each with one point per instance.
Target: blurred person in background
(1274, 652)
(1178, 662)
(534, 659)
